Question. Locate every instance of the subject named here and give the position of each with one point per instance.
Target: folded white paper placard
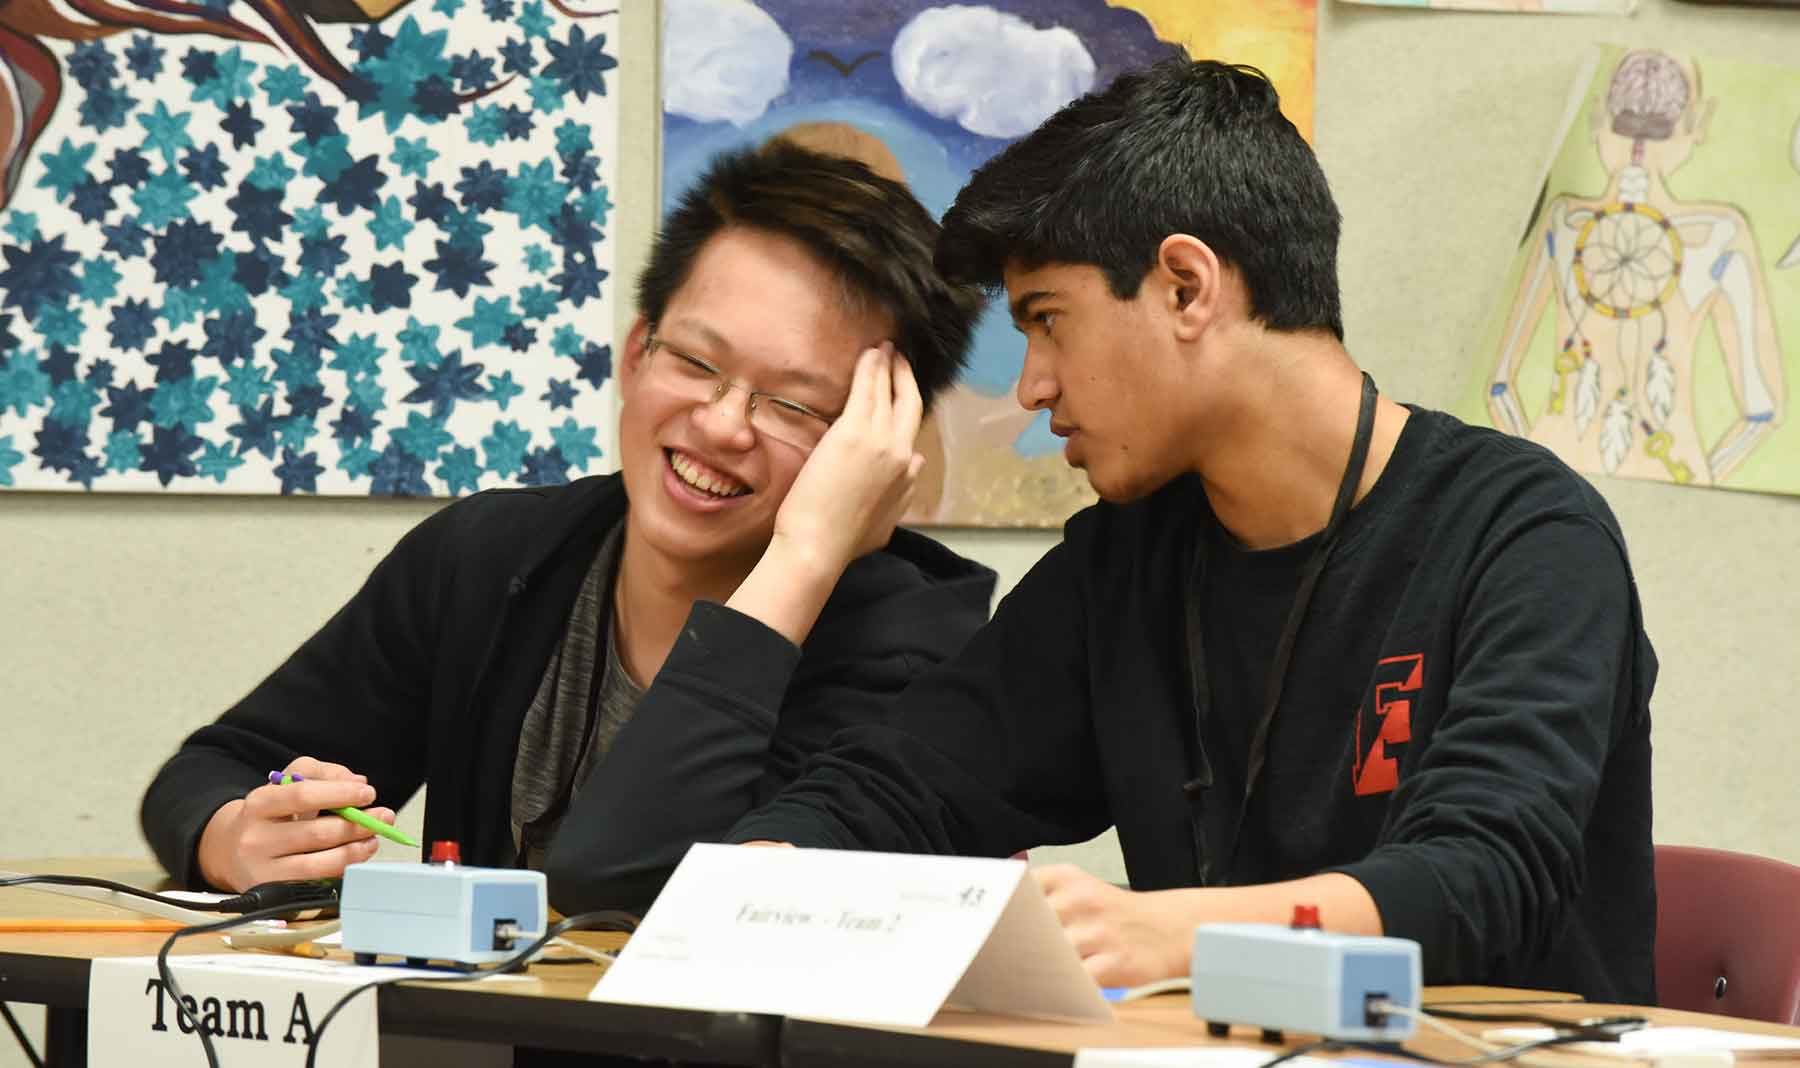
(260, 1010)
(880, 938)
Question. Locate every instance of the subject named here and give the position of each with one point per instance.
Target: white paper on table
(879, 938)
(198, 897)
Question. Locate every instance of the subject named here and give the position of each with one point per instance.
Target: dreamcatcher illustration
(1636, 274)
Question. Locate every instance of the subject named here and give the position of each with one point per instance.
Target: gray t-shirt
(552, 762)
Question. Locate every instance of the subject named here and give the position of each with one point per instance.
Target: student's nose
(725, 420)
(1037, 385)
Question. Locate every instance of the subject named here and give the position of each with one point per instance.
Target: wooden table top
(550, 1004)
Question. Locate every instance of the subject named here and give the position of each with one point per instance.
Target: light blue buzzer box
(440, 912)
(1304, 980)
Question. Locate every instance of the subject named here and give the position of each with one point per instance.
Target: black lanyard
(1284, 646)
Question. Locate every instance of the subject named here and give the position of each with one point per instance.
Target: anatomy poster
(1650, 325)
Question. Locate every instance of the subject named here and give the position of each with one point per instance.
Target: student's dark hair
(1182, 147)
(867, 230)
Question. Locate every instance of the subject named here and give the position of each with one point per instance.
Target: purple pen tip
(275, 777)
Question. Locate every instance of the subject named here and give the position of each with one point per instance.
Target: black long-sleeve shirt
(427, 672)
(1464, 727)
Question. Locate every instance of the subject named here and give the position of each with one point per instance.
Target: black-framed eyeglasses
(689, 376)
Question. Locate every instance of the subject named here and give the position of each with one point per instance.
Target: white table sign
(259, 1009)
(879, 938)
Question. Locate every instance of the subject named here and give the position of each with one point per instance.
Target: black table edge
(58, 982)
(582, 1026)
(817, 1044)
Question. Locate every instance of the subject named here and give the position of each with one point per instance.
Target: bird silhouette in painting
(845, 69)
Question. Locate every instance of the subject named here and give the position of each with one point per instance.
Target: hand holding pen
(290, 830)
(385, 829)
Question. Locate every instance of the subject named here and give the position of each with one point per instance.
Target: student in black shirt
(592, 677)
(1313, 646)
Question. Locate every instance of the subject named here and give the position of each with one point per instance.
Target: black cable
(19, 1033)
(1323, 1045)
(168, 975)
(1594, 1028)
(1501, 1055)
(1387, 1049)
(598, 920)
(1339, 1045)
(1506, 1053)
(313, 893)
(117, 888)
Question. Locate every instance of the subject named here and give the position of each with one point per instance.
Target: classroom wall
(125, 621)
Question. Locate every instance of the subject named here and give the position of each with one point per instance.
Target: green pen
(354, 815)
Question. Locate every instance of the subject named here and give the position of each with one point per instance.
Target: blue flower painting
(306, 246)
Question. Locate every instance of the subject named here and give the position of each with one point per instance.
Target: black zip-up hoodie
(427, 673)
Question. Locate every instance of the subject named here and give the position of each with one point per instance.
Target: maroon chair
(1728, 933)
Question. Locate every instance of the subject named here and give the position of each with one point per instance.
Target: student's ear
(637, 352)
(1191, 283)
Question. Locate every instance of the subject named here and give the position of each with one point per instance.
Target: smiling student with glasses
(592, 677)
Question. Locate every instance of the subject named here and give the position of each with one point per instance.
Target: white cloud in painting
(722, 59)
(992, 72)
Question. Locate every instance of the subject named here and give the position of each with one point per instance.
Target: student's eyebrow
(801, 376)
(1021, 308)
(712, 339)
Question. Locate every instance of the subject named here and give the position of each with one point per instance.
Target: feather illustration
(1659, 389)
(1615, 434)
(1587, 394)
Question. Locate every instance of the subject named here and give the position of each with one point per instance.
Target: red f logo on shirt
(1376, 772)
